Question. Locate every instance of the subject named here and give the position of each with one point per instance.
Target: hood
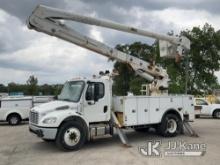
(55, 105)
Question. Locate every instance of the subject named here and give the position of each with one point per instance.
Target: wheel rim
(14, 120)
(171, 126)
(218, 114)
(72, 136)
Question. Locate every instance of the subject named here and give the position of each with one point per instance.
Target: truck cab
(81, 100)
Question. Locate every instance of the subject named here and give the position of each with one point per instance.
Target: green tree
(14, 87)
(3, 88)
(47, 89)
(57, 89)
(202, 61)
(32, 85)
(127, 80)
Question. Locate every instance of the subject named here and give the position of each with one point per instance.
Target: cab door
(96, 102)
(205, 108)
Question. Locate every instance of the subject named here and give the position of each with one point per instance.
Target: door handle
(133, 111)
(105, 109)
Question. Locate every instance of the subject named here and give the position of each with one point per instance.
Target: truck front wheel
(170, 126)
(71, 136)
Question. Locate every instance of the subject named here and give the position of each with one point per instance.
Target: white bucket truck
(86, 108)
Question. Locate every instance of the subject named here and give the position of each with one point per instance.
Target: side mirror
(96, 92)
(90, 94)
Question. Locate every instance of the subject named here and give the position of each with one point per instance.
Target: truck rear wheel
(170, 126)
(14, 119)
(71, 136)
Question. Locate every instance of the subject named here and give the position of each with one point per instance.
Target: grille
(34, 117)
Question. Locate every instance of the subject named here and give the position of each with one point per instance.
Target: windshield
(72, 91)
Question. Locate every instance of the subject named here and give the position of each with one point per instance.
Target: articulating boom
(46, 19)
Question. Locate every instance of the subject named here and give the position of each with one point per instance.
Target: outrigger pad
(189, 129)
(120, 132)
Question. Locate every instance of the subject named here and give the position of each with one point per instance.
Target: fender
(61, 115)
(75, 115)
(17, 111)
(80, 119)
(173, 111)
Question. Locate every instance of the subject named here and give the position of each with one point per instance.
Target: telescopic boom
(46, 19)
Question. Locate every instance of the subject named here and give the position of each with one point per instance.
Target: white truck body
(142, 110)
(3, 94)
(204, 108)
(46, 120)
(19, 106)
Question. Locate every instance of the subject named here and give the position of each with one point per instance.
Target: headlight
(50, 120)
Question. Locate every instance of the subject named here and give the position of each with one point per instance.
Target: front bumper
(42, 132)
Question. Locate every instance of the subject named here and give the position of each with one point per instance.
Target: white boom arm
(46, 19)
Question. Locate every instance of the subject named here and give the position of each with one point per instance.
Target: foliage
(199, 65)
(32, 85)
(204, 58)
(127, 80)
(32, 88)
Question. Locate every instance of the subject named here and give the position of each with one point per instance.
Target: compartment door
(143, 111)
(155, 111)
(130, 117)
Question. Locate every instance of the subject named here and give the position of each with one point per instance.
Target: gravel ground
(18, 146)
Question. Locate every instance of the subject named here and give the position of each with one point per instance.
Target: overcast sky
(24, 52)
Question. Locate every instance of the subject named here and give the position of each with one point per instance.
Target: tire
(14, 119)
(71, 136)
(216, 114)
(170, 126)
